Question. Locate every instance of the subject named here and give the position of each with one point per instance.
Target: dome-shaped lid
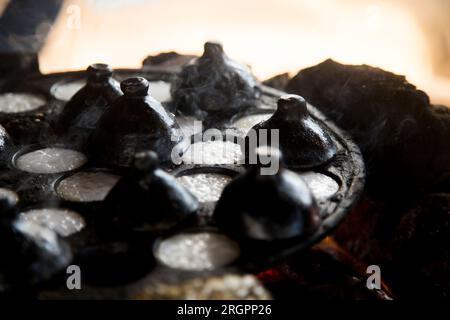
(134, 123)
(214, 87)
(269, 204)
(30, 252)
(82, 112)
(147, 198)
(302, 141)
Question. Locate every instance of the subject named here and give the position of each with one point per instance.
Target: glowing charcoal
(213, 152)
(322, 186)
(205, 186)
(65, 91)
(62, 221)
(20, 102)
(87, 186)
(9, 194)
(50, 160)
(247, 122)
(197, 251)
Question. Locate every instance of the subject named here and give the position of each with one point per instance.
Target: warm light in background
(271, 36)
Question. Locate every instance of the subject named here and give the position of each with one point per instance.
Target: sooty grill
(93, 164)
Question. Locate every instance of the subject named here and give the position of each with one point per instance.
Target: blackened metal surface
(38, 190)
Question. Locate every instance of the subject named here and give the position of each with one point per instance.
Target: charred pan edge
(351, 173)
(347, 165)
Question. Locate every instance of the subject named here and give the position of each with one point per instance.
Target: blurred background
(410, 37)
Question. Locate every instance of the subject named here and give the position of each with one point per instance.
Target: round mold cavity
(20, 102)
(207, 150)
(63, 221)
(196, 251)
(85, 186)
(206, 183)
(64, 90)
(40, 159)
(322, 186)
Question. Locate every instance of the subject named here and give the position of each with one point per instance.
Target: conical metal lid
(30, 252)
(213, 87)
(147, 199)
(134, 123)
(267, 205)
(302, 141)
